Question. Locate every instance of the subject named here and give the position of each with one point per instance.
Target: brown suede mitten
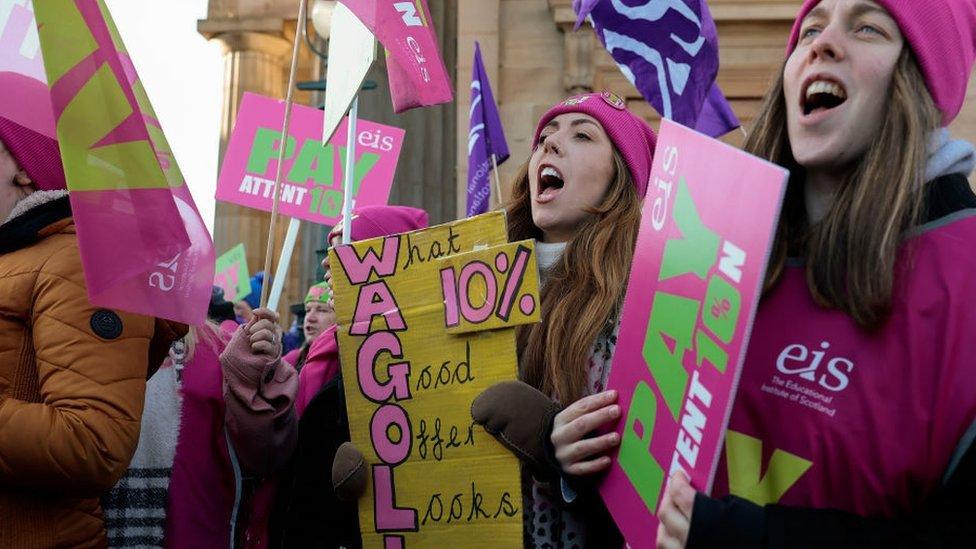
(520, 417)
(349, 473)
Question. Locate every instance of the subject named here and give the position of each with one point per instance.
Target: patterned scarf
(135, 510)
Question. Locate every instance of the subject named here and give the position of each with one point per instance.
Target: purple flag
(668, 49)
(582, 9)
(485, 138)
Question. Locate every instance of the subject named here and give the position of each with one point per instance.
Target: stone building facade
(533, 58)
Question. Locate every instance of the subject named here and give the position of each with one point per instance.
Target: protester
(242, 311)
(319, 317)
(866, 316)
(222, 312)
(294, 337)
(208, 478)
(308, 512)
(253, 299)
(72, 376)
(579, 195)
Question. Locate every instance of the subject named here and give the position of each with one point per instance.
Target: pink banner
(312, 181)
(416, 70)
(143, 244)
(709, 219)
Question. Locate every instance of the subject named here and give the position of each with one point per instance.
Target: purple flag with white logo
(485, 138)
(669, 50)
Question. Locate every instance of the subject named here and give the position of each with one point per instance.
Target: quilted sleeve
(91, 365)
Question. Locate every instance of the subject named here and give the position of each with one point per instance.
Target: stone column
(253, 62)
(577, 49)
(257, 54)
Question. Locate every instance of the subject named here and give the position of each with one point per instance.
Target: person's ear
(23, 179)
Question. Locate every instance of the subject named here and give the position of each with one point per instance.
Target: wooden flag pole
(289, 96)
(498, 185)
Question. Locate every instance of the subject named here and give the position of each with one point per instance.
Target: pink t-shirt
(831, 416)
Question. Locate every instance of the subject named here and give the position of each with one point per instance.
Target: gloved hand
(254, 351)
(349, 473)
(520, 417)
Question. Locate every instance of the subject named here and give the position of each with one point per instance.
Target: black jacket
(307, 513)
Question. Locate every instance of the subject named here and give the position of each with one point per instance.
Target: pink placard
(708, 223)
(312, 178)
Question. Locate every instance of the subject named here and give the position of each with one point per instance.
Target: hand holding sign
(577, 453)
(675, 512)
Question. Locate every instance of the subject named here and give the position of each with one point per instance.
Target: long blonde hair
(584, 290)
(850, 255)
(209, 334)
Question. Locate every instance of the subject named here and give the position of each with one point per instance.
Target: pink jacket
(228, 431)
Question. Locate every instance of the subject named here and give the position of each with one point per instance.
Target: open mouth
(822, 95)
(550, 183)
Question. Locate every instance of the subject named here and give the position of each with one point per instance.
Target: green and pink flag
(144, 246)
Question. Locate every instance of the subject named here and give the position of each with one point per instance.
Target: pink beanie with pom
(942, 34)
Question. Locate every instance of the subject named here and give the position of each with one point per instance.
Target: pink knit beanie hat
(630, 135)
(376, 221)
(942, 33)
(27, 129)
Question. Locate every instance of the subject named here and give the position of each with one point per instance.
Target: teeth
(550, 172)
(823, 86)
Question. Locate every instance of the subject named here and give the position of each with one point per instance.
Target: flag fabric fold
(668, 49)
(144, 246)
(418, 77)
(486, 138)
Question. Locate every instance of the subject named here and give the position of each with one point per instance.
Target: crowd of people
(126, 431)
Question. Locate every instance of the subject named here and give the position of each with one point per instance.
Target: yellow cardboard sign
(435, 478)
(492, 288)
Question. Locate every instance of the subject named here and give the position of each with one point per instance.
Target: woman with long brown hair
(579, 196)
(854, 419)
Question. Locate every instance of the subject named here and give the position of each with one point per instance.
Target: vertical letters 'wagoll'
(376, 299)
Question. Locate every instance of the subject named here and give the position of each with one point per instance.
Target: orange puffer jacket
(72, 380)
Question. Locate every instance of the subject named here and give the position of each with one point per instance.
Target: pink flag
(416, 70)
(144, 246)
